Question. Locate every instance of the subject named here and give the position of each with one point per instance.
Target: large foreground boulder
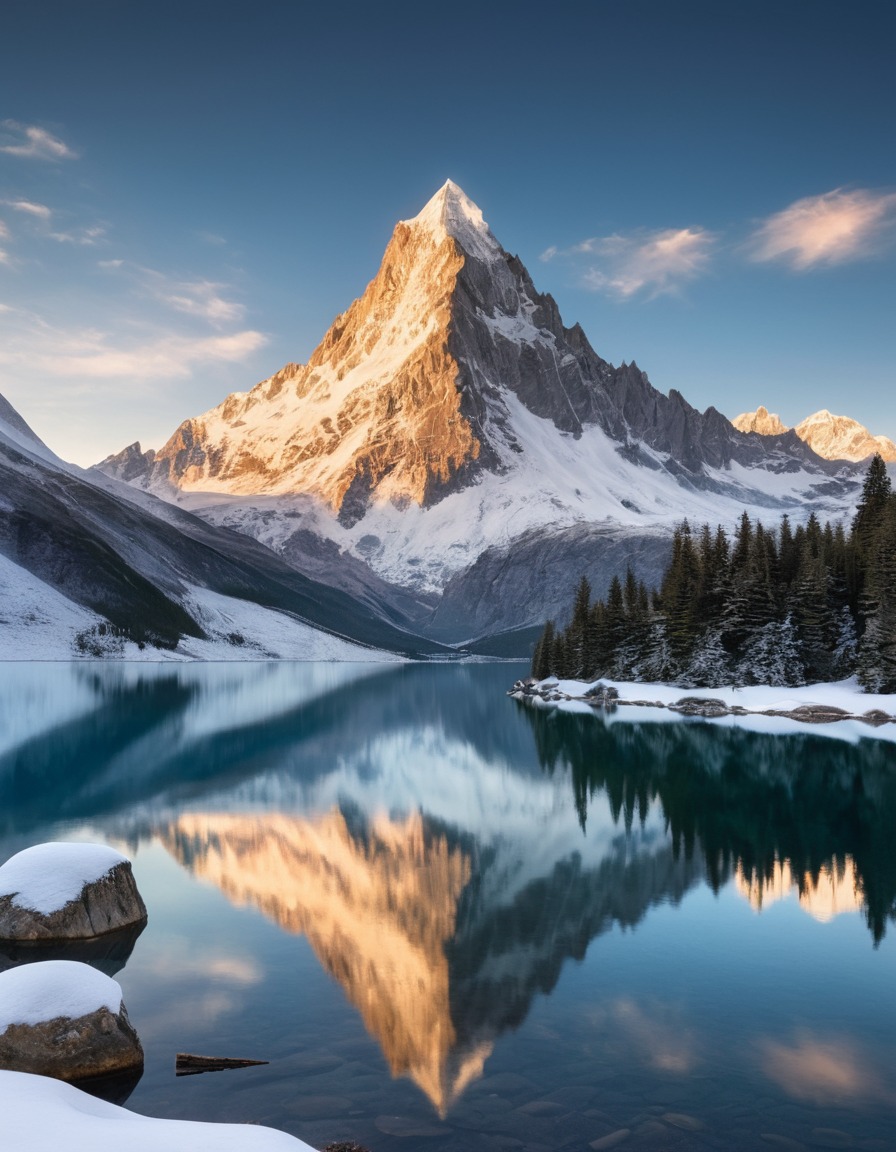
(61, 891)
(66, 1020)
(45, 1116)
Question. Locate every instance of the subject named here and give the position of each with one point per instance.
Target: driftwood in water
(186, 1064)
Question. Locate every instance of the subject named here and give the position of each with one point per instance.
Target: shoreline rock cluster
(606, 698)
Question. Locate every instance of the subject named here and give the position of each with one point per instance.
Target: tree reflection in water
(747, 801)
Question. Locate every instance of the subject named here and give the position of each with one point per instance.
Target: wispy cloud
(98, 356)
(29, 207)
(82, 236)
(203, 298)
(654, 263)
(32, 142)
(829, 229)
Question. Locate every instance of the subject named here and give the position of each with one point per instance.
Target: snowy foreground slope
(453, 439)
(44, 1115)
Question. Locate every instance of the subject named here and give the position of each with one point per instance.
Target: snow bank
(34, 993)
(46, 877)
(43, 1115)
(757, 708)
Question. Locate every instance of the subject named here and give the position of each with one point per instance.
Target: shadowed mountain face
(449, 419)
(132, 559)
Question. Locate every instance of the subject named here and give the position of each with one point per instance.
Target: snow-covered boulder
(63, 1019)
(61, 891)
(43, 1115)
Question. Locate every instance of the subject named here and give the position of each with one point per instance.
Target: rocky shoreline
(606, 698)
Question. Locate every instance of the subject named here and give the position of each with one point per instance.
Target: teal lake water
(453, 923)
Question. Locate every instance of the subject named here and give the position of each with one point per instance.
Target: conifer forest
(773, 605)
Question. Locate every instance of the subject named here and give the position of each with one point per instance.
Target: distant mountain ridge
(449, 427)
(832, 437)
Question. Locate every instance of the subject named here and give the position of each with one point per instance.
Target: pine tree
(576, 636)
(679, 595)
(708, 667)
(877, 646)
(816, 626)
(543, 656)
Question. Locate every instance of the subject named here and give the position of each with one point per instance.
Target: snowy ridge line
(785, 709)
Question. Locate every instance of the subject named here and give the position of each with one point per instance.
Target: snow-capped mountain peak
(449, 412)
(762, 421)
(842, 438)
(829, 436)
(452, 213)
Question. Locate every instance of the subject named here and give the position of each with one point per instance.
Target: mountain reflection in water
(444, 850)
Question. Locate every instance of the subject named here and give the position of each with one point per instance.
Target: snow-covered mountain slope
(93, 567)
(449, 412)
(831, 437)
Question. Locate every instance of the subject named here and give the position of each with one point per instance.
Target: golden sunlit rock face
(835, 891)
(378, 910)
(375, 412)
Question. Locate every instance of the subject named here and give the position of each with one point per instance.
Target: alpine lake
(452, 922)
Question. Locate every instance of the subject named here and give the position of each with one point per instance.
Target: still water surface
(453, 923)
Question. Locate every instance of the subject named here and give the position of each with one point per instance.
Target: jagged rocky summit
(831, 437)
(449, 427)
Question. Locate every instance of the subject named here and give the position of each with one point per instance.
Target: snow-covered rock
(43, 1115)
(840, 710)
(63, 1019)
(67, 891)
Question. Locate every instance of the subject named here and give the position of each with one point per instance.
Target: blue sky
(190, 192)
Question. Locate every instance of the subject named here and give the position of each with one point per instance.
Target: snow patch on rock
(46, 877)
(35, 993)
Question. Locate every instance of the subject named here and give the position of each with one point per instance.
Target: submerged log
(186, 1064)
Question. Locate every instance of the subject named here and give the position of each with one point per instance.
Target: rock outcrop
(65, 1020)
(57, 891)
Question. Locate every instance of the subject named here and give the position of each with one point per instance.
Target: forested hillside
(779, 606)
